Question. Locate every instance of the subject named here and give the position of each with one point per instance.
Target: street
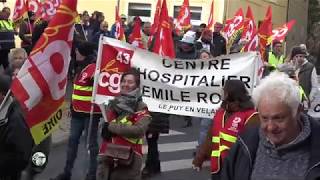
(175, 148)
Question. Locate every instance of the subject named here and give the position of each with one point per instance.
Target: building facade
(283, 10)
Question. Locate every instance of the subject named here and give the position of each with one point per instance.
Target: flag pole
(94, 90)
(5, 98)
(29, 22)
(95, 83)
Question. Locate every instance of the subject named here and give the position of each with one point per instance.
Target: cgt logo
(235, 124)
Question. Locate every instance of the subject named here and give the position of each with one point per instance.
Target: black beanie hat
(297, 50)
(86, 48)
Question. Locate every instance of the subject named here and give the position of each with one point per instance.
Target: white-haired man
(285, 145)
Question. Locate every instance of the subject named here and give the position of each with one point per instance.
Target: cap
(297, 50)
(304, 48)
(189, 37)
(123, 16)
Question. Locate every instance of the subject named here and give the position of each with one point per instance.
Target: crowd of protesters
(272, 127)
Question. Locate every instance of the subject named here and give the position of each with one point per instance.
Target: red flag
(20, 10)
(265, 32)
(269, 12)
(234, 27)
(280, 33)
(156, 19)
(41, 83)
(184, 18)
(119, 34)
(211, 18)
(48, 9)
(164, 43)
(135, 36)
(155, 25)
(227, 24)
(33, 5)
(249, 26)
(253, 44)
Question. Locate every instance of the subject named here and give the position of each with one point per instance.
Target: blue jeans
(205, 125)
(77, 126)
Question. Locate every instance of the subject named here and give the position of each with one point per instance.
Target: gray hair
(16, 51)
(278, 86)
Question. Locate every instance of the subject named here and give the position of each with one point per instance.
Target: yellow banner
(45, 128)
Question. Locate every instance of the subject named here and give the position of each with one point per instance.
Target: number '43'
(123, 57)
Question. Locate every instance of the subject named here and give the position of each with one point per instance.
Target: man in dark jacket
(218, 41)
(306, 72)
(159, 124)
(80, 113)
(102, 31)
(286, 144)
(15, 138)
(25, 32)
(7, 33)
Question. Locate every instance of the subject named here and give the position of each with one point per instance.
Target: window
(139, 9)
(195, 14)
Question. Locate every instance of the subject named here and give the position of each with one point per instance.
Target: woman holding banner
(205, 123)
(235, 114)
(126, 121)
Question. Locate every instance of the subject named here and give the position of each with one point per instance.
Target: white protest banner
(183, 87)
(314, 109)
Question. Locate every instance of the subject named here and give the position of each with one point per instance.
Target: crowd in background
(194, 43)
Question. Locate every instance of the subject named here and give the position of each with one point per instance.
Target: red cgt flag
(253, 44)
(280, 33)
(184, 18)
(135, 36)
(155, 25)
(41, 83)
(119, 34)
(50, 8)
(265, 33)
(20, 10)
(234, 27)
(34, 6)
(156, 19)
(211, 18)
(163, 39)
(249, 26)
